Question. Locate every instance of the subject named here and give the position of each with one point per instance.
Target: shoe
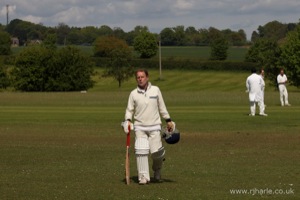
(288, 104)
(157, 175)
(263, 114)
(251, 115)
(143, 181)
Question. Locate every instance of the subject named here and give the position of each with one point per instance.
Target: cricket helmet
(171, 137)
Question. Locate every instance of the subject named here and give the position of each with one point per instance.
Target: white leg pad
(143, 166)
(158, 158)
(142, 152)
(142, 146)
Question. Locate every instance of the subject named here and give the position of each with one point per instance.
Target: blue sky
(156, 14)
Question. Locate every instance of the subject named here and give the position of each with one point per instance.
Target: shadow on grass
(134, 179)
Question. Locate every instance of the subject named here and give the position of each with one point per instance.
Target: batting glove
(125, 126)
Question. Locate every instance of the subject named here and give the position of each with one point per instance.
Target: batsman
(145, 109)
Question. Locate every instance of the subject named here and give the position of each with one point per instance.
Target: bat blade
(127, 167)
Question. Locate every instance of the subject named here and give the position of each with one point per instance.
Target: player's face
(281, 72)
(142, 79)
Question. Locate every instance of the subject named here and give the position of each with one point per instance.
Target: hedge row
(185, 64)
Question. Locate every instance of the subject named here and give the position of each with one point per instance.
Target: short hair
(142, 70)
(253, 70)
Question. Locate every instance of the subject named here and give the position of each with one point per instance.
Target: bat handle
(128, 137)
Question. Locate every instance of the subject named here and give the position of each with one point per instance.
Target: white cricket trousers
(253, 107)
(283, 95)
(146, 141)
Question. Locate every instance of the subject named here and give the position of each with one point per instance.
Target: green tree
(235, 38)
(39, 68)
(120, 33)
(29, 72)
(273, 30)
(89, 34)
(5, 43)
(119, 66)
(4, 78)
(290, 56)
(130, 36)
(119, 54)
(25, 31)
(204, 36)
(50, 41)
(75, 37)
(62, 32)
(146, 44)
(266, 53)
(192, 36)
(105, 30)
(104, 45)
(180, 37)
(219, 49)
(214, 34)
(70, 70)
(167, 36)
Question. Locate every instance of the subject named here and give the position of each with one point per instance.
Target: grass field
(71, 146)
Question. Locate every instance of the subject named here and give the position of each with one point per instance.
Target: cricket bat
(127, 165)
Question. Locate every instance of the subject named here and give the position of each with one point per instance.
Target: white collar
(142, 90)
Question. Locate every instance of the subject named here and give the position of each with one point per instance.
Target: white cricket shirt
(146, 107)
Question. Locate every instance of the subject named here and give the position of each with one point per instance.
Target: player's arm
(128, 114)
(164, 112)
(247, 85)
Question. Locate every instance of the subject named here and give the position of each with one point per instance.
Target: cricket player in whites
(281, 81)
(255, 85)
(146, 107)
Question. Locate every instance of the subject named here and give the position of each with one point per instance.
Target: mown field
(71, 146)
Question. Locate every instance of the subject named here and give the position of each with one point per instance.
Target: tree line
(170, 36)
(43, 67)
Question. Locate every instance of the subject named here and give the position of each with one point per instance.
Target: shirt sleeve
(247, 84)
(162, 107)
(130, 108)
(262, 83)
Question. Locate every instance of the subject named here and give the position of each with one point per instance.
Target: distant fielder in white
(255, 85)
(145, 106)
(281, 81)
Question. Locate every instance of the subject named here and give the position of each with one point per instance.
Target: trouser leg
(157, 153)
(252, 108)
(261, 107)
(286, 97)
(281, 92)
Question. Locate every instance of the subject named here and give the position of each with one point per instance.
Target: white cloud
(156, 14)
(32, 19)
(184, 4)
